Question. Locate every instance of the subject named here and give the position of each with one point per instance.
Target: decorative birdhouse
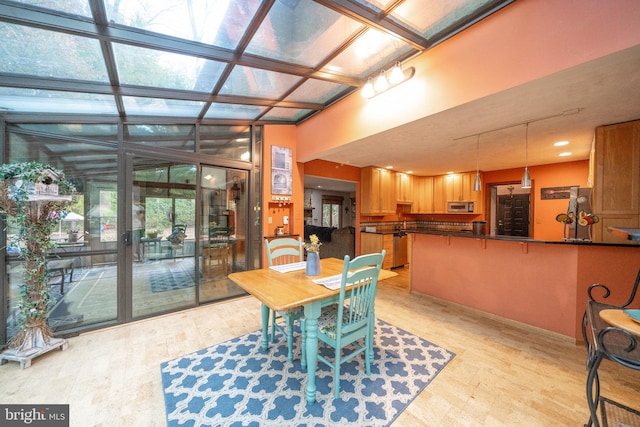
(41, 187)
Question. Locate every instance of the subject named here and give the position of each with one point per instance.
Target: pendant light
(477, 184)
(526, 178)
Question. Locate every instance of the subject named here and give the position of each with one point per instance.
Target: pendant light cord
(478, 155)
(526, 145)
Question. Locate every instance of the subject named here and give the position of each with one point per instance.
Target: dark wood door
(513, 215)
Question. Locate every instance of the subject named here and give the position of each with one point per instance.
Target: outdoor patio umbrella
(73, 217)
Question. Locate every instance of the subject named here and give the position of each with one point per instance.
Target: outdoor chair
(280, 251)
(352, 319)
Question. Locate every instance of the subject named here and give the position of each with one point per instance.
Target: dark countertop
(385, 231)
(469, 234)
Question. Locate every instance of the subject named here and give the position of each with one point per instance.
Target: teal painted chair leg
(290, 320)
(368, 355)
(336, 372)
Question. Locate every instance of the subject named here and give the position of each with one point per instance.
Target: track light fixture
(367, 90)
(396, 76)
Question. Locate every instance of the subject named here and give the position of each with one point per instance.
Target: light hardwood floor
(503, 374)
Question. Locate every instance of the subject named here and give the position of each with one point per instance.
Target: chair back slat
(284, 250)
(361, 274)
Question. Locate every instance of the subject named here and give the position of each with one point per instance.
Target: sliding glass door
(223, 231)
(152, 229)
(161, 239)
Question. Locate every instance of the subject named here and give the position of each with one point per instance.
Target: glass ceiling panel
(233, 111)
(231, 142)
(149, 67)
(301, 32)
(285, 114)
(314, 90)
(245, 81)
(35, 52)
(150, 131)
(74, 7)
(374, 50)
(48, 101)
(97, 131)
(179, 137)
(431, 18)
(137, 105)
(218, 22)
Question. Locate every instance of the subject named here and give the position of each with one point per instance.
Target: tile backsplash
(411, 225)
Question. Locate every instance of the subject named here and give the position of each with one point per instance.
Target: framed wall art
(281, 170)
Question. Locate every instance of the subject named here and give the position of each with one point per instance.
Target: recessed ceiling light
(565, 154)
(409, 172)
(389, 167)
(560, 143)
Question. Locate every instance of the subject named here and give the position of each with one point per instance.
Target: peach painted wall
(616, 267)
(527, 40)
(544, 224)
(282, 136)
(543, 285)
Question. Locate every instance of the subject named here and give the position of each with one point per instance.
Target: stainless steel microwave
(460, 207)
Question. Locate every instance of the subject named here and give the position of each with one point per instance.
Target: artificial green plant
(35, 220)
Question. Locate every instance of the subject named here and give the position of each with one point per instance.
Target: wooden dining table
(283, 291)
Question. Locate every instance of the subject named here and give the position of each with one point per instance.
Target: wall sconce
(396, 76)
(526, 178)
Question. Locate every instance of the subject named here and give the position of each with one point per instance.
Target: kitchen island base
(538, 284)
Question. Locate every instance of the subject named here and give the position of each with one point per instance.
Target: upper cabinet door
(404, 188)
(378, 191)
(617, 169)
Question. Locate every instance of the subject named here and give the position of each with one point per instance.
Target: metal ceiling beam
(368, 17)
(43, 83)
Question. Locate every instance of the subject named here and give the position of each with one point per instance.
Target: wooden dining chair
(280, 251)
(353, 318)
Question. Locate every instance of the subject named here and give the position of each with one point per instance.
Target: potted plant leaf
(37, 196)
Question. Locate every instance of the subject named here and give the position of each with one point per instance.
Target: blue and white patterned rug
(236, 384)
(169, 280)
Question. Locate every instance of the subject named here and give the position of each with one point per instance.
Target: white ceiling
(605, 91)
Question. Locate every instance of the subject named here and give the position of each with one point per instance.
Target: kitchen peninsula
(534, 282)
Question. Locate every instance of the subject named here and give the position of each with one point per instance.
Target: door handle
(126, 238)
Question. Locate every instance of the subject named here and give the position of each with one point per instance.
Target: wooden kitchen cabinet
(455, 187)
(616, 191)
(375, 243)
(404, 188)
(378, 191)
(422, 195)
(439, 194)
